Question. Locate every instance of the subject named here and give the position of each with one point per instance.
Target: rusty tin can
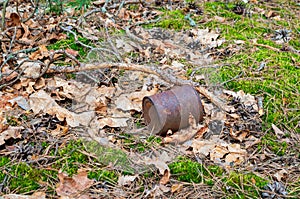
(171, 109)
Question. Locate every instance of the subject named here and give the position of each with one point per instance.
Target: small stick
(266, 46)
(3, 15)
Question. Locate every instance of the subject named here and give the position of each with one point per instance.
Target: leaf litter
(99, 108)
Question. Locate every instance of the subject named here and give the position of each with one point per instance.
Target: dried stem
(3, 15)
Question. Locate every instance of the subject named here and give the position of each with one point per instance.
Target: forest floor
(74, 73)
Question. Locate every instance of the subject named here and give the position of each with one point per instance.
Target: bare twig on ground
(215, 100)
(150, 70)
(133, 37)
(33, 12)
(267, 46)
(112, 45)
(92, 49)
(124, 66)
(3, 15)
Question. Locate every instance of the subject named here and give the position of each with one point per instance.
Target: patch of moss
(139, 122)
(70, 157)
(189, 171)
(21, 177)
(243, 185)
(79, 4)
(103, 175)
(55, 7)
(155, 139)
(133, 7)
(276, 146)
(277, 81)
(171, 20)
(107, 155)
(70, 76)
(221, 9)
(71, 44)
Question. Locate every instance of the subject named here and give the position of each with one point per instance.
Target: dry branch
(268, 47)
(146, 69)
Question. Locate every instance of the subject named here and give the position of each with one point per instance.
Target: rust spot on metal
(171, 109)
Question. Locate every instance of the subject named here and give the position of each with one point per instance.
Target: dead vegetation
(72, 79)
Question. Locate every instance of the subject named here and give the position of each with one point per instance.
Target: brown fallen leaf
(14, 20)
(186, 134)
(40, 54)
(11, 132)
(73, 187)
(133, 101)
(166, 177)
(176, 188)
(36, 195)
(160, 163)
(239, 135)
(42, 102)
(72, 52)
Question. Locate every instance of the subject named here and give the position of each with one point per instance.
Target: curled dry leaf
(21, 101)
(11, 132)
(32, 69)
(281, 175)
(183, 135)
(218, 150)
(203, 147)
(72, 52)
(73, 186)
(166, 177)
(41, 53)
(114, 118)
(239, 135)
(176, 188)
(113, 122)
(85, 96)
(206, 37)
(161, 165)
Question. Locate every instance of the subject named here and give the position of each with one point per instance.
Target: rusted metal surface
(171, 109)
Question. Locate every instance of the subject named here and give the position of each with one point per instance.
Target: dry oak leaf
(133, 101)
(14, 20)
(42, 102)
(72, 187)
(11, 132)
(41, 53)
(160, 163)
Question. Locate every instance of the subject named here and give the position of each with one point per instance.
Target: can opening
(151, 116)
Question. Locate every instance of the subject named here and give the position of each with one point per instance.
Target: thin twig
(111, 44)
(267, 46)
(90, 47)
(12, 40)
(133, 37)
(3, 15)
(33, 12)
